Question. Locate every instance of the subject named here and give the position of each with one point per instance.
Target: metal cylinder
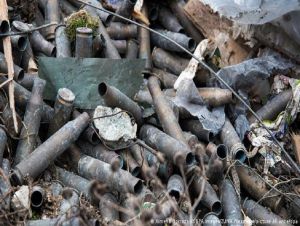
(166, 61)
(70, 201)
(32, 120)
(39, 44)
(130, 164)
(52, 15)
(19, 42)
(195, 127)
(102, 153)
(176, 151)
(98, 45)
(177, 8)
(167, 79)
(209, 198)
(231, 204)
(8, 122)
(121, 45)
(144, 40)
(67, 7)
(256, 186)
(4, 26)
(42, 156)
(104, 16)
(115, 98)
(63, 107)
(56, 188)
(153, 10)
(181, 39)
(211, 219)
(120, 180)
(84, 42)
(216, 96)
(120, 31)
(165, 113)
(108, 212)
(3, 140)
(230, 138)
(63, 45)
(132, 49)
(18, 71)
(81, 184)
(126, 9)
(263, 216)
(169, 21)
(27, 61)
(273, 107)
(28, 80)
(175, 186)
(37, 196)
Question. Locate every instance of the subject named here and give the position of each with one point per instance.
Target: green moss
(80, 19)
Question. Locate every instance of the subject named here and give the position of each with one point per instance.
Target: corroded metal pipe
(231, 204)
(256, 186)
(263, 216)
(63, 107)
(120, 180)
(28, 80)
(166, 61)
(167, 79)
(105, 17)
(132, 49)
(175, 186)
(37, 196)
(126, 9)
(3, 139)
(39, 44)
(18, 71)
(176, 151)
(144, 40)
(181, 39)
(84, 42)
(169, 20)
(230, 138)
(211, 219)
(209, 198)
(120, 31)
(216, 96)
(115, 98)
(63, 44)
(108, 212)
(130, 164)
(19, 42)
(195, 127)
(42, 156)
(273, 107)
(165, 113)
(31, 122)
(70, 201)
(67, 7)
(121, 45)
(52, 15)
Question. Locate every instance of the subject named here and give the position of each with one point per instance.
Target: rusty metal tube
(175, 186)
(166, 61)
(19, 42)
(209, 198)
(39, 44)
(176, 151)
(263, 216)
(130, 164)
(165, 113)
(52, 15)
(28, 80)
(84, 42)
(108, 212)
(181, 39)
(211, 219)
(120, 31)
(37, 196)
(32, 120)
(167, 79)
(18, 71)
(63, 107)
(144, 40)
(126, 9)
(273, 107)
(115, 98)
(230, 138)
(231, 204)
(195, 127)
(63, 44)
(120, 180)
(216, 96)
(121, 45)
(67, 7)
(70, 201)
(169, 21)
(3, 140)
(105, 17)
(132, 49)
(42, 156)
(256, 186)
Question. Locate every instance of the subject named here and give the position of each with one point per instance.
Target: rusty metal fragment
(120, 31)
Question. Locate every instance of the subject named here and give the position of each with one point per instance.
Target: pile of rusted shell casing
(175, 171)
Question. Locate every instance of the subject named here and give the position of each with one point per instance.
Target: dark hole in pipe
(21, 75)
(192, 45)
(138, 187)
(189, 158)
(102, 89)
(153, 14)
(175, 194)
(210, 136)
(22, 43)
(36, 199)
(240, 155)
(53, 53)
(136, 171)
(217, 208)
(67, 193)
(222, 151)
(4, 26)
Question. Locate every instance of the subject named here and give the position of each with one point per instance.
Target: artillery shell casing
(216, 96)
(52, 15)
(37, 196)
(132, 49)
(32, 119)
(131, 165)
(181, 39)
(121, 45)
(126, 9)
(166, 61)
(18, 71)
(3, 140)
(63, 44)
(169, 21)
(40, 44)
(195, 127)
(19, 42)
(67, 7)
(167, 79)
(84, 42)
(175, 186)
(230, 138)
(115, 98)
(63, 107)
(108, 212)
(231, 204)
(47, 152)
(105, 17)
(257, 212)
(121, 180)
(120, 31)
(176, 151)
